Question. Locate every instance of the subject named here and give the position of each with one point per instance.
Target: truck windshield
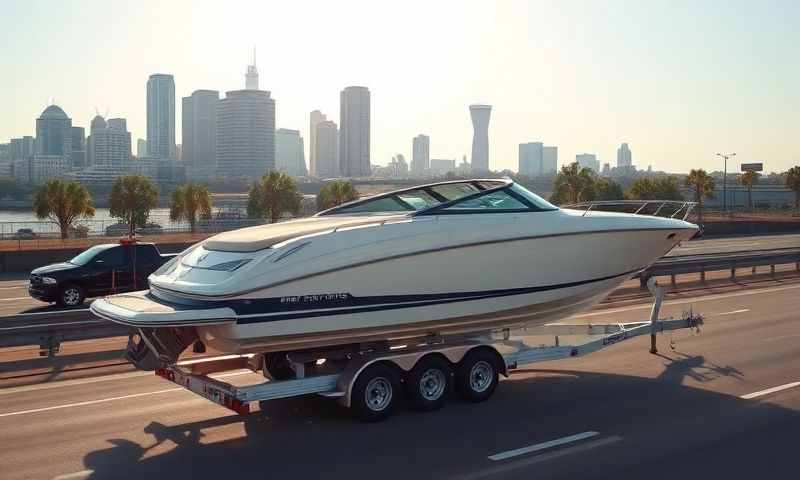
(87, 255)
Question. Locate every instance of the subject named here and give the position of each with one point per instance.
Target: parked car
(100, 270)
(25, 234)
(117, 230)
(150, 229)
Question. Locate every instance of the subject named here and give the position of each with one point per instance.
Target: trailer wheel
(477, 375)
(374, 393)
(428, 383)
(277, 366)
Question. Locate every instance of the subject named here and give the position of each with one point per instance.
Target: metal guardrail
(656, 208)
(48, 329)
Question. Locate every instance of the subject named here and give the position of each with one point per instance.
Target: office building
(21, 148)
(314, 119)
(161, 116)
(109, 143)
(421, 155)
(199, 134)
(141, 148)
(326, 138)
(245, 134)
(440, 167)
(549, 160)
(78, 157)
(480, 137)
(290, 152)
(54, 133)
(588, 160)
(624, 156)
(530, 159)
(6, 168)
(354, 134)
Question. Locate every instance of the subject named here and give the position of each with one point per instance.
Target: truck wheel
(428, 383)
(477, 375)
(71, 295)
(374, 393)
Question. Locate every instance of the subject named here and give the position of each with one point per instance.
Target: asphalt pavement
(721, 404)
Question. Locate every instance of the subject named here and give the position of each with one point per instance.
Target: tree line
(132, 198)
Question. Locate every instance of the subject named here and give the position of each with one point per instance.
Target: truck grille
(36, 280)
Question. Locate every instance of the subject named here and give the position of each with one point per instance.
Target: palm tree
(190, 203)
(793, 182)
(702, 186)
(275, 194)
(665, 188)
(336, 193)
(63, 203)
(748, 179)
(573, 184)
(132, 197)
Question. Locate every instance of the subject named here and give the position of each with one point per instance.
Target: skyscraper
(624, 156)
(354, 122)
(78, 157)
(109, 143)
(315, 117)
(251, 77)
(141, 148)
(199, 134)
(421, 154)
(530, 159)
(245, 134)
(161, 116)
(588, 160)
(480, 137)
(289, 152)
(326, 146)
(549, 160)
(54, 133)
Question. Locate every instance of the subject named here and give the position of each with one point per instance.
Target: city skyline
(678, 93)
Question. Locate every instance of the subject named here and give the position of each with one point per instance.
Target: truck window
(114, 257)
(146, 254)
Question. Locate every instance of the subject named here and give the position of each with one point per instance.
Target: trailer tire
(477, 375)
(375, 392)
(429, 382)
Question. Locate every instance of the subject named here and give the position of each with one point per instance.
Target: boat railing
(657, 208)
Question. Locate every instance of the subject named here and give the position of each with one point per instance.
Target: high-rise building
(326, 138)
(6, 169)
(624, 156)
(245, 134)
(314, 119)
(289, 152)
(530, 159)
(21, 148)
(161, 116)
(78, 157)
(109, 143)
(354, 124)
(251, 77)
(549, 160)
(199, 134)
(588, 160)
(54, 133)
(441, 167)
(141, 148)
(421, 154)
(480, 137)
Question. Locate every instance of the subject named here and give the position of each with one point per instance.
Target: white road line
(541, 446)
(15, 287)
(14, 299)
(89, 402)
(733, 312)
(779, 388)
(682, 301)
(75, 476)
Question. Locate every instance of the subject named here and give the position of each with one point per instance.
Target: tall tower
(420, 154)
(199, 127)
(480, 138)
(161, 116)
(624, 157)
(315, 118)
(327, 149)
(245, 134)
(54, 133)
(354, 132)
(251, 77)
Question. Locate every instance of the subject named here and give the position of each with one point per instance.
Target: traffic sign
(752, 167)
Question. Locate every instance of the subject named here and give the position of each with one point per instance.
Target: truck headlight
(49, 280)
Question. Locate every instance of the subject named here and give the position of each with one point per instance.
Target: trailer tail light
(238, 406)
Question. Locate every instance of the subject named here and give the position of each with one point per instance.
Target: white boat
(440, 259)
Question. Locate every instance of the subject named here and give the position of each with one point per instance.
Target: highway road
(14, 297)
(723, 404)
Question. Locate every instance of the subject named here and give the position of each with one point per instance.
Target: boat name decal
(321, 297)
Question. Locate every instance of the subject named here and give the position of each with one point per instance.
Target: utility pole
(725, 157)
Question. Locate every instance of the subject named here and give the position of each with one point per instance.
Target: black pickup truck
(100, 270)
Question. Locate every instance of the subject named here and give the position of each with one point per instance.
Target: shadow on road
(659, 421)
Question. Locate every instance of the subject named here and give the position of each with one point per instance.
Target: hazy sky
(677, 79)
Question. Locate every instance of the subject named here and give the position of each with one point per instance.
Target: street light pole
(725, 179)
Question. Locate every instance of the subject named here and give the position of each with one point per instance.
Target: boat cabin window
(385, 204)
(499, 200)
(418, 199)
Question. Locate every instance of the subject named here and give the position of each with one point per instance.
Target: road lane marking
(779, 388)
(682, 301)
(743, 310)
(88, 402)
(40, 325)
(14, 299)
(15, 287)
(542, 446)
(502, 470)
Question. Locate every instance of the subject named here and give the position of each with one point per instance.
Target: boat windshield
(451, 197)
